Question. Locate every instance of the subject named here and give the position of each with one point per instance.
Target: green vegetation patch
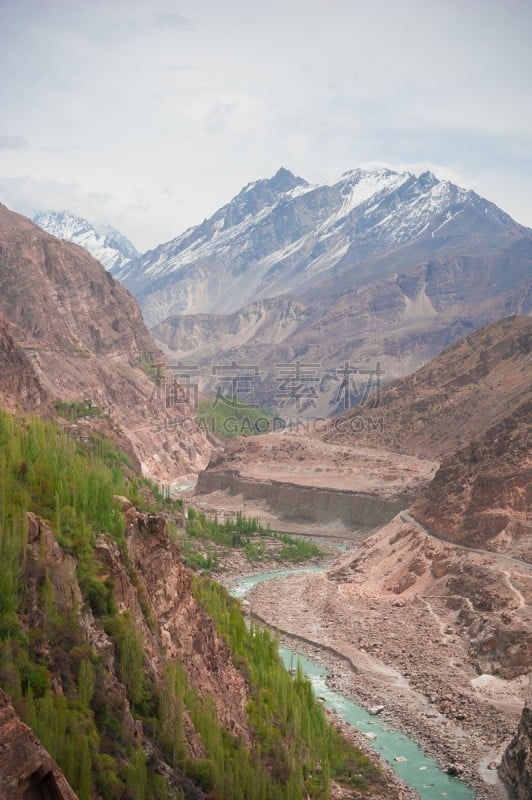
(240, 532)
(73, 410)
(226, 418)
(294, 753)
(302, 751)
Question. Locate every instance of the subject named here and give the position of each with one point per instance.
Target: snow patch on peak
(280, 235)
(110, 247)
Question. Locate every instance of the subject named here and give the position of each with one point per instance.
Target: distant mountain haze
(379, 267)
(282, 235)
(108, 246)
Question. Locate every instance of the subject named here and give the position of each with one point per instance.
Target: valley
(430, 615)
(265, 400)
(439, 635)
(401, 527)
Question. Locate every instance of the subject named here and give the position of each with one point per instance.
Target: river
(417, 769)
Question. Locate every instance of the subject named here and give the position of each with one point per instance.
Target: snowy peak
(282, 235)
(261, 194)
(111, 248)
(283, 182)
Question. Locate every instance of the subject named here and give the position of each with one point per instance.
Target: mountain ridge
(110, 247)
(73, 339)
(282, 235)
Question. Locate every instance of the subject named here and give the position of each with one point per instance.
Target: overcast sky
(151, 115)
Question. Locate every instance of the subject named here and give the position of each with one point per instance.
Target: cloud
(220, 115)
(29, 194)
(176, 67)
(13, 142)
(170, 19)
(128, 99)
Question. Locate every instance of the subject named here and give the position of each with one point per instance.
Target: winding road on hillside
(408, 518)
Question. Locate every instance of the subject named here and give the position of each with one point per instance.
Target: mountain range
(376, 270)
(108, 246)
(285, 236)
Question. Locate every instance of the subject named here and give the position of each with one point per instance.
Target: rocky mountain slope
(377, 268)
(73, 338)
(201, 338)
(481, 495)
(26, 770)
(517, 761)
(453, 399)
(19, 384)
(109, 246)
(283, 235)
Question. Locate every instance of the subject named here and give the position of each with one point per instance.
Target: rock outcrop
(455, 398)
(26, 770)
(180, 628)
(71, 334)
(516, 766)
(152, 584)
(481, 495)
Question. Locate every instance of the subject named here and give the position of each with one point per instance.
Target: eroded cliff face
(71, 333)
(26, 770)
(152, 585)
(294, 502)
(304, 480)
(516, 766)
(482, 494)
(181, 628)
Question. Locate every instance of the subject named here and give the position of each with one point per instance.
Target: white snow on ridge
(279, 235)
(357, 187)
(107, 245)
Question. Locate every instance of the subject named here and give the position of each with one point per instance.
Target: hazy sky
(151, 115)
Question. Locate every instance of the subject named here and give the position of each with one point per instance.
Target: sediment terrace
(299, 485)
(297, 503)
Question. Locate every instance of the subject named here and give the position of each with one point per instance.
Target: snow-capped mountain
(107, 245)
(283, 235)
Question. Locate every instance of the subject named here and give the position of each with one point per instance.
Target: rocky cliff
(516, 767)
(155, 610)
(26, 770)
(151, 586)
(81, 345)
(181, 629)
(482, 494)
(456, 397)
(19, 383)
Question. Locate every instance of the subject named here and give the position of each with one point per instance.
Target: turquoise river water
(417, 770)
